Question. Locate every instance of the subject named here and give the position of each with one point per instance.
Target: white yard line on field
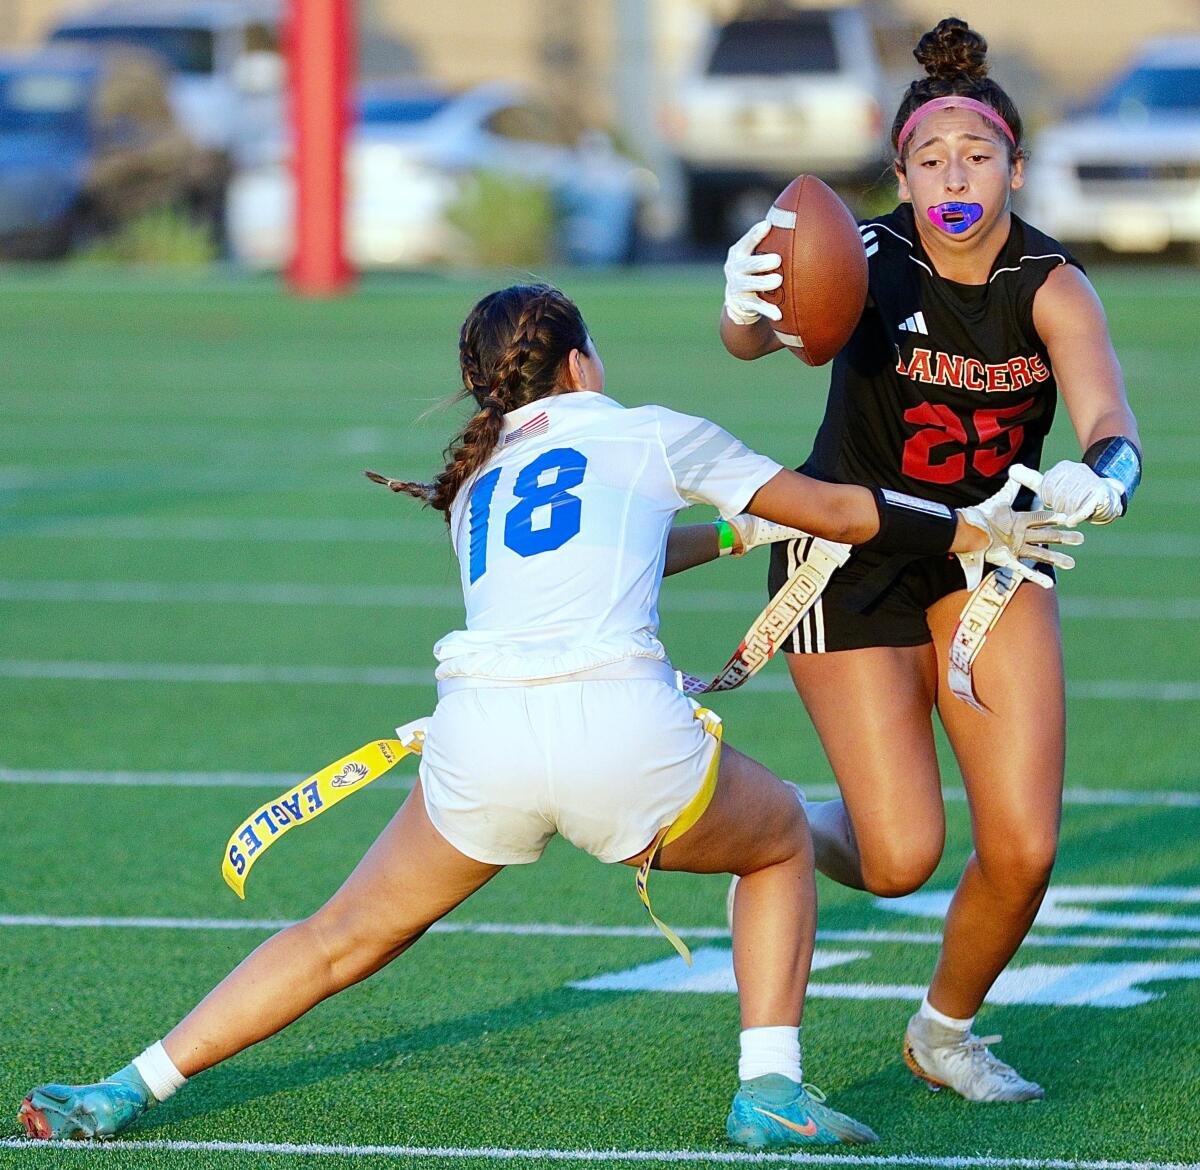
(1163, 609)
(121, 1148)
(165, 479)
(1135, 689)
(587, 930)
(448, 596)
(215, 672)
(276, 781)
(401, 676)
(220, 442)
(1172, 609)
(238, 529)
(280, 780)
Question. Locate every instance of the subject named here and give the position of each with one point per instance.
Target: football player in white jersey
(558, 712)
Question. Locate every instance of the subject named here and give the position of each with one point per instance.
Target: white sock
(158, 1070)
(770, 1050)
(929, 1012)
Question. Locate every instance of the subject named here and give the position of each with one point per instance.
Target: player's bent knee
(893, 874)
(755, 806)
(890, 885)
(1022, 869)
(356, 943)
(787, 815)
(793, 838)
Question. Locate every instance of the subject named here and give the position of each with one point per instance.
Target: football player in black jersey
(975, 324)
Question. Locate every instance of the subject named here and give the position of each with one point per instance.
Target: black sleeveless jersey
(942, 385)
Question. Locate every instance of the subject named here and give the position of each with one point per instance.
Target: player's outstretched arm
(1070, 320)
(894, 522)
(689, 545)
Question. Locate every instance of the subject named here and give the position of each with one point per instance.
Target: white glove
(1075, 490)
(747, 274)
(1016, 536)
(754, 530)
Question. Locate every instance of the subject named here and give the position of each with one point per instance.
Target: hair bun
(953, 50)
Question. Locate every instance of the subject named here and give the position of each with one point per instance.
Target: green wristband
(726, 537)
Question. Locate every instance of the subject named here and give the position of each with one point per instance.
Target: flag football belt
(654, 669)
(310, 798)
(984, 608)
(690, 814)
(780, 617)
(333, 783)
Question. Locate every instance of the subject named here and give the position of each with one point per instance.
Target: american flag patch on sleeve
(538, 425)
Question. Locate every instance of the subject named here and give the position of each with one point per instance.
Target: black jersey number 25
(938, 452)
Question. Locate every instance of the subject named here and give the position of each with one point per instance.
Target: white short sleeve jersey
(562, 535)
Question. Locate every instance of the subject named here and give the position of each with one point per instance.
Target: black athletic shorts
(874, 599)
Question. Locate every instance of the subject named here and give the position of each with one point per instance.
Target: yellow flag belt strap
(310, 798)
(690, 814)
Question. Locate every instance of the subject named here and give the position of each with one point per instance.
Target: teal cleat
(57, 1112)
(775, 1111)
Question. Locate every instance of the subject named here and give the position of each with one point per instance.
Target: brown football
(824, 269)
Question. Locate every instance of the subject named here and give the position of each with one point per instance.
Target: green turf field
(203, 601)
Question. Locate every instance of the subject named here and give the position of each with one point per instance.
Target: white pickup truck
(769, 97)
(1123, 172)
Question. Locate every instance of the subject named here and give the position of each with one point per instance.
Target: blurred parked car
(770, 97)
(1125, 171)
(410, 153)
(88, 141)
(223, 56)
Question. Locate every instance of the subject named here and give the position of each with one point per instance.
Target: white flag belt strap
(780, 617)
(625, 668)
(984, 608)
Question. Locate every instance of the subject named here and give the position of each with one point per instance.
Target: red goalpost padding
(319, 37)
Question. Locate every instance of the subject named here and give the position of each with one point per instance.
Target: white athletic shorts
(606, 763)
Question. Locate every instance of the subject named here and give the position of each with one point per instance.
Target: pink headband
(953, 101)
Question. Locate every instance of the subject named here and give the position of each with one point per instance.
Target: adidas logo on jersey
(869, 239)
(914, 324)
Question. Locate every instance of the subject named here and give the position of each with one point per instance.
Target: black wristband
(911, 524)
(1117, 458)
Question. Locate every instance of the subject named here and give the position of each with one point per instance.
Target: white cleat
(947, 1059)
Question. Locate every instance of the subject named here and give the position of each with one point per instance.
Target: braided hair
(955, 60)
(513, 350)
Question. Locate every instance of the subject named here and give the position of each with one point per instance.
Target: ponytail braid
(513, 350)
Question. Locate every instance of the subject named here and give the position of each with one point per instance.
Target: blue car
(88, 141)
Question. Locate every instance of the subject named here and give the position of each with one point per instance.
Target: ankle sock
(929, 1012)
(158, 1070)
(770, 1050)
